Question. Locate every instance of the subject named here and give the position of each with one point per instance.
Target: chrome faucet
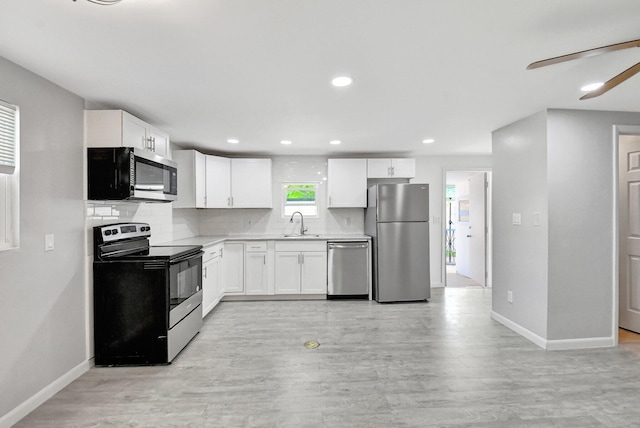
(302, 228)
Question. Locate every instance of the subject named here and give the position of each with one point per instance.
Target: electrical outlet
(510, 296)
(348, 221)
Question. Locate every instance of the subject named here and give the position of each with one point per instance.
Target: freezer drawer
(348, 269)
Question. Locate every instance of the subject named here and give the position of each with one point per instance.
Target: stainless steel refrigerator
(397, 219)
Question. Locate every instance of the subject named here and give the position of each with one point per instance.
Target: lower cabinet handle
(264, 259)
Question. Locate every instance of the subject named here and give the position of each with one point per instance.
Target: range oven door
(185, 287)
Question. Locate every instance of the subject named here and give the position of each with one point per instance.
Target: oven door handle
(187, 257)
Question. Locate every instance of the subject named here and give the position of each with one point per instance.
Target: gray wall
(520, 252)
(581, 220)
(559, 163)
(42, 299)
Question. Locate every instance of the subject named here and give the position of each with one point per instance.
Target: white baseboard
(589, 342)
(437, 285)
(558, 344)
(527, 334)
(43, 395)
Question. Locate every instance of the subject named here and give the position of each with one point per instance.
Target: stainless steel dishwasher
(348, 269)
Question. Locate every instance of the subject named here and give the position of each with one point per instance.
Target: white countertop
(206, 240)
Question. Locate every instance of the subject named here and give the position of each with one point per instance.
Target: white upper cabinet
(191, 179)
(391, 168)
(207, 181)
(251, 183)
(218, 178)
(347, 183)
(117, 128)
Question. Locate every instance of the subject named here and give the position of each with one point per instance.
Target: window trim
(284, 204)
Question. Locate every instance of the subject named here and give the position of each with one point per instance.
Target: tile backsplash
(170, 224)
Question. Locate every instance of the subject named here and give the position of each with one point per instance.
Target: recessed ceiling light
(428, 141)
(342, 81)
(285, 142)
(335, 142)
(591, 87)
(233, 141)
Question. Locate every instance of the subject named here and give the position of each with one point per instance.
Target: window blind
(8, 132)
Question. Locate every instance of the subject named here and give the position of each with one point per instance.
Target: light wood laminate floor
(439, 364)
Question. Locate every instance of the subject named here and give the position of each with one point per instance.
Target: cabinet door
(218, 182)
(191, 179)
(134, 132)
(287, 275)
(233, 265)
(255, 273)
(251, 183)
(199, 180)
(159, 141)
(314, 272)
(347, 183)
(210, 286)
(403, 167)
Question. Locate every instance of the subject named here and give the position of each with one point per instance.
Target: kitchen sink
(306, 235)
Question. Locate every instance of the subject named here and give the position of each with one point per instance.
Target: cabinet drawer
(251, 247)
(211, 253)
(301, 246)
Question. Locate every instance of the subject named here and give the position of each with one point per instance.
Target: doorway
(467, 224)
(628, 235)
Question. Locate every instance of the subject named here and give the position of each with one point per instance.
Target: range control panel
(121, 231)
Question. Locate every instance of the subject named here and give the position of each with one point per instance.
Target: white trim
(555, 345)
(527, 334)
(437, 285)
(589, 342)
(615, 311)
(43, 395)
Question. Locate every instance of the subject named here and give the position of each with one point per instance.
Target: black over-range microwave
(130, 174)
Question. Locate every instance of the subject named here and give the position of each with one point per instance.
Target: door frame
(618, 130)
(488, 264)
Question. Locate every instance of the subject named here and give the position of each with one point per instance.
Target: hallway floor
(444, 363)
(456, 280)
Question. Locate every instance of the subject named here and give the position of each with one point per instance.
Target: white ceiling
(260, 70)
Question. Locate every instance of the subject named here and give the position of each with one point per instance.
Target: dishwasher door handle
(333, 245)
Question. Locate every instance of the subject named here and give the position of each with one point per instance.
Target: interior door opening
(467, 234)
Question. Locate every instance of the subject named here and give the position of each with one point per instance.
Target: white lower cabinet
(233, 268)
(255, 270)
(211, 289)
(301, 267)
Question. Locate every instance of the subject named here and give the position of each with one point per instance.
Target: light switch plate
(536, 219)
(49, 243)
(516, 218)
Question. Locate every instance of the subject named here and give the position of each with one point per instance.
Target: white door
(629, 239)
(159, 142)
(477, 227)
(287, 272)
(347, 183)
(218, 181)
(403, 168)
(233, 268)
(255, 273)
(134, 132)
(314, 272)
(251, 183)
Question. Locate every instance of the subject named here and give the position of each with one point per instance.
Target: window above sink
(302, 197)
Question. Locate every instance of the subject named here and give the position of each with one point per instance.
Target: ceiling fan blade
(613, 82)
(584, 54)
